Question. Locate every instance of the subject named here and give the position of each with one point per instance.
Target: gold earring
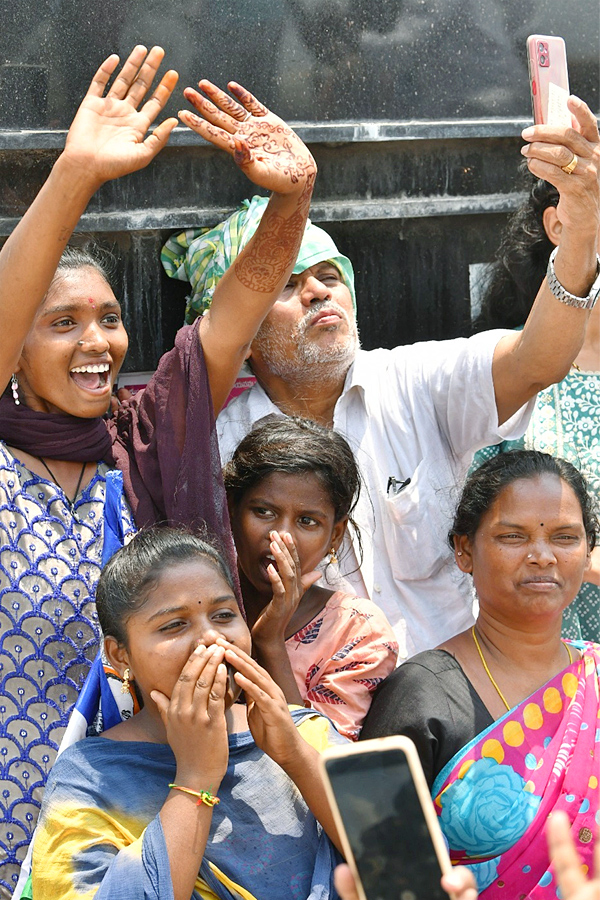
(333, 557)
(125, 680)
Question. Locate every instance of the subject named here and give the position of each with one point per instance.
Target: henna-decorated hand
(108, 135)
(262, 145)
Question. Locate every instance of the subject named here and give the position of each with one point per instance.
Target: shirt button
(377, 588)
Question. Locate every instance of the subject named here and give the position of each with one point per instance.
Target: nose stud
(80, 343)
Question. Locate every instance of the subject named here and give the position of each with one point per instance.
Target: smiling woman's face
(75, 348)
(530, 552)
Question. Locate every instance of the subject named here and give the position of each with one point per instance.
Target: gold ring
(568, 170)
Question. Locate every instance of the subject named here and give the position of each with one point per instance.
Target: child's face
(283, 502)
(190, 603)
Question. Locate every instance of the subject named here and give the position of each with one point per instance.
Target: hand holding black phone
(386, 820)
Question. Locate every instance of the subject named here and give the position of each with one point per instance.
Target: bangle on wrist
(564, 295)
(203, 796)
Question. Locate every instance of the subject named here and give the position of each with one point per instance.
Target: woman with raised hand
(63, 342)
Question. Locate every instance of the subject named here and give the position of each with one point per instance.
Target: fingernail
(525, 150)
(199, 649)
(527, 133)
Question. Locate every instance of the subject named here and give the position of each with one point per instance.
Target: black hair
(91, 256)
(293, 445)
(135, 569)
(520, 264)
(486, 483)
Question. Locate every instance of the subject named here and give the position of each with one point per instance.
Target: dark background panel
(311, 60)
(412, 108)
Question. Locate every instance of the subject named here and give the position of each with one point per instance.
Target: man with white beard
(413, 415)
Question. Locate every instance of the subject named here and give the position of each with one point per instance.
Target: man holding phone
(415, 415)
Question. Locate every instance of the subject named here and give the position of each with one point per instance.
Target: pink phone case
(548, 79)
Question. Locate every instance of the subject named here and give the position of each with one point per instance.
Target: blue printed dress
(49, 567)
(100, 835)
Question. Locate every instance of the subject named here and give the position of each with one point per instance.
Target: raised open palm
(108, 136)
(262, 144)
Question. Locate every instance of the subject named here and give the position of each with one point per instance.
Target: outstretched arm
(107, 139)
(542, 353)
(273, 157)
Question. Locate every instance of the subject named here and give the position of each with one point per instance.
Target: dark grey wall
(412, 109)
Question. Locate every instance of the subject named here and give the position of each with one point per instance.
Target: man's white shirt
(413, 414)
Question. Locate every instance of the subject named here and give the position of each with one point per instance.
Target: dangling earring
(125, 679)
(333, 560)
(14, 386)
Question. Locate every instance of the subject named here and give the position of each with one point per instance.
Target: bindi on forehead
(92, 302)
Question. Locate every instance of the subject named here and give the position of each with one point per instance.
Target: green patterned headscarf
(202, 255)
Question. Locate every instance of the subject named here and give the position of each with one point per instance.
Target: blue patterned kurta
(566, 422)
(49, 567)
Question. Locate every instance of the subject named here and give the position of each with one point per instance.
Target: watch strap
(562, 294)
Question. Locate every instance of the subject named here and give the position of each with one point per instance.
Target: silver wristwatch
(563, 294)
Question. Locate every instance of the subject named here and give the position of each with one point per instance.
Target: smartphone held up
(386, 820)
(548, 80)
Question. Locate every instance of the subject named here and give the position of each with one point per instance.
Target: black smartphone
(386, 820)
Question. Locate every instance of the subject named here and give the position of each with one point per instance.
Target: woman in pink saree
(506, 714)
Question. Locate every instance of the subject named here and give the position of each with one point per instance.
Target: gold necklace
(489, 674)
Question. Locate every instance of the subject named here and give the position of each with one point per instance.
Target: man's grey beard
(310, 362)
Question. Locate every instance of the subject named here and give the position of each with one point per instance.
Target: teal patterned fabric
(566, 422)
